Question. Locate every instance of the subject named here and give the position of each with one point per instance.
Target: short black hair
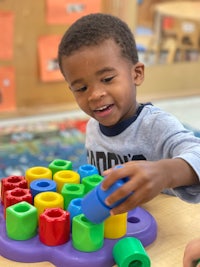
(92, 29)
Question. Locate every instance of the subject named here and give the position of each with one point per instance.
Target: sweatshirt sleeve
(190, 194)
(175, 141)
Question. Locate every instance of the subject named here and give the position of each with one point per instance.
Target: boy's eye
(108, 79)
(81, 89)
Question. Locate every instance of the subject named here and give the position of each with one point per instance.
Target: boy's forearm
(178, 172)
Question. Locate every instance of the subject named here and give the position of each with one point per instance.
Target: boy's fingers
(113, 176)
(106, 172)
(107, 182)
(132, 194)
(125, 206)
(120, 193)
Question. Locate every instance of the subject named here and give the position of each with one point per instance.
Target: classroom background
(30, 81)
(40, 121)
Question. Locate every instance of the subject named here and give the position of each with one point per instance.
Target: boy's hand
(146, 180)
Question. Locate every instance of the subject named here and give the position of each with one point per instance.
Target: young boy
(98, 58)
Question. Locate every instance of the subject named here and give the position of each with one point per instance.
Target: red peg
(17, 195)
(54, 226)
(10, 183)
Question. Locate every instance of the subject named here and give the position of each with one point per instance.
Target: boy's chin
(107, 124)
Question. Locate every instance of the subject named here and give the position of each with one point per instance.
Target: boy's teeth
(102, 108)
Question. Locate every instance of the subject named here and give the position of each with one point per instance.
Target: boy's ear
(138, 73)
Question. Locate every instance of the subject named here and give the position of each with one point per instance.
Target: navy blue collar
(122, 125)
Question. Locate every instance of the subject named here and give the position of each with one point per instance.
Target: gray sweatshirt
(151, 134)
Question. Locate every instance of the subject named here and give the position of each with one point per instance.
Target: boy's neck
(122, 125)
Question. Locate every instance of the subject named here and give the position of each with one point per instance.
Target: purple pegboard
(140, 224)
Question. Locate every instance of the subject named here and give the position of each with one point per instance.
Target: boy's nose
(97, 94)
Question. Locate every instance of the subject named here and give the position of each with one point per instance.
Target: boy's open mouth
(103, 108)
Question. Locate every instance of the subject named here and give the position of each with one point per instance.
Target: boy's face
(103, 82)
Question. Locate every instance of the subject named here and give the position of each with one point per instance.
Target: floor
(187, 110)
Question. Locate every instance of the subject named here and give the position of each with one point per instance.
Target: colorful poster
(47, 53)
(6, 35)
(7, 89)
(68, 11)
